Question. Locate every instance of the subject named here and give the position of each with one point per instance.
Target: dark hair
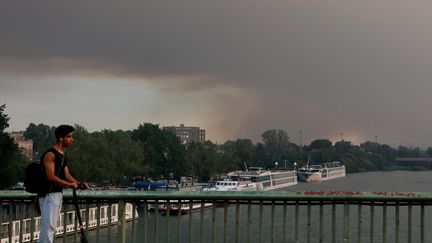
(63, 130)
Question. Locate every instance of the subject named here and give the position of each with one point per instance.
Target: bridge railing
(275, 216)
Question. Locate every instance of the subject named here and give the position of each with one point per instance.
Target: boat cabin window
(71, 217)
(103, 212)
(5, 231)
(114, 211)
(60, 221)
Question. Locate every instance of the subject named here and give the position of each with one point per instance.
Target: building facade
(26, 145)
(187, 134)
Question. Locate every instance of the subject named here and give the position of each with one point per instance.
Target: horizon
(333, 142)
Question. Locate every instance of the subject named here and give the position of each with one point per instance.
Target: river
(392, 181)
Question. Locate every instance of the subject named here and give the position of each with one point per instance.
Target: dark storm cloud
(332, 65)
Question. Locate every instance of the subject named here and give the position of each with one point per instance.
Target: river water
(284, 231)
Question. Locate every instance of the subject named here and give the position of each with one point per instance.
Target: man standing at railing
(57, 176)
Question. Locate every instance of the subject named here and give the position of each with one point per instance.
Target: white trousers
(50, 206)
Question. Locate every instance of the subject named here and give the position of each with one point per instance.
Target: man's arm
(49, 165)
(70, 178)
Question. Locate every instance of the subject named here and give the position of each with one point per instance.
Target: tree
(203, 160)
(42, 135)
(163, 151)
(237, 153)
(106, 156)
(344, 147)
(11, 161)
(322, 151)
(125, 153)
(321, 144)
(370, 147)
(4, 119)
(276, 148)
(429, 151)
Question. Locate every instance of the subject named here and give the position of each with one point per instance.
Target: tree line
(118, 157)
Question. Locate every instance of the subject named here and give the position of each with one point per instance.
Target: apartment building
(187, 134)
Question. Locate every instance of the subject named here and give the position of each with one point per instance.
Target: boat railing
(274, 216)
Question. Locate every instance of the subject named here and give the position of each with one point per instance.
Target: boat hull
(314, 174)
(310, 177)
(185, 208)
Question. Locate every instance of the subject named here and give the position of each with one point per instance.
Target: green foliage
(429, 151)
(118, 156)
(321, 151)
(203, 160)
(4, 119)
(276, 148)
(321, 144)
(238, 152)
(42, 135)
(415, 152)
(107, 156)
(164, 154)
(12, 163)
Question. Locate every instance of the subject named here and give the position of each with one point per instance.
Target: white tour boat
(254, 179)
(265, 180)
(322, 172)
(230, 185)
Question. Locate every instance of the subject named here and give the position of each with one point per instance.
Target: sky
(360, 70)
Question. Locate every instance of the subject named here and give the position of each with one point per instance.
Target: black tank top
(60, 163)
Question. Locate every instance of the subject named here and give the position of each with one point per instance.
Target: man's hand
(84, 186)
(73, 185)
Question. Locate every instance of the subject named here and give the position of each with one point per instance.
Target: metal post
(346, 222)
(359, 222)
(98, 221)
(156, 222)
(272, 239)
(1, 219)
(10, 221)
(309, 207)
(179, 214)
(190, 220)
(122, 221)
(261, 222)
(64, 222)
(109, 221)
(213, 235)
(296, 228)
(372, 221)
(134, 208)
(249, 221)
(422, 223)
(168, 213)
(87, 228)
(32, 223)
(284, 227)
(321, 222)
(409, 222)
(21, 220)
(237, 222)
(333, 222)
(397, 223)
(225, 221)
(145, 221)
(202, 222)
(384, 226)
